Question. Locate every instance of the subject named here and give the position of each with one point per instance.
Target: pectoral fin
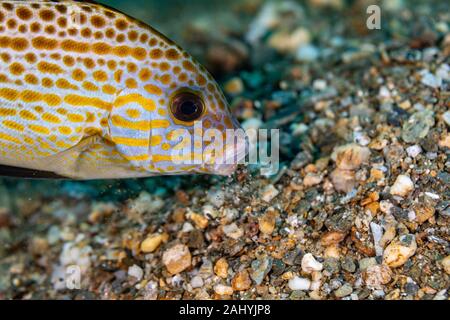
(63, 165)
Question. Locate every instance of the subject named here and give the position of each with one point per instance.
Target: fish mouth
(233, 157)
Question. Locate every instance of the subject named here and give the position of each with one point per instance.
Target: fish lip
(232, 159)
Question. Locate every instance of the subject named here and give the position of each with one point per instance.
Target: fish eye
(187, 106)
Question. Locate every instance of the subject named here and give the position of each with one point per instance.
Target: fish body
(87, 92)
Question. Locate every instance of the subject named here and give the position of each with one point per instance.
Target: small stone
(365, 263)
(331, 238)
(177, 258)
(221, 268)
(350, 156)
(260, 268)
(399, 251)
(376, 276)
(187, 227)
(195, 239)
(278, 267)
(443, 71)
(76, 254)
(307, 53)
(405, 105)
(446, 117)
(312, 179)
(343, 291)
(348, 265)
(393, 295)
(417, 126)
(361, 138)
(199, 220)
(331, 265)
(285, 42)
(233, 231)
(197, 282)
(332, 251)
(430, 79)
(343, 180)
(298, 283)
(377, 233)
(411, 288)
(320, 84)
(151, 291)
(269, 192)
(99, 211)
(241, 281)
(267, 221)
(413, 151)
(446, 264)
(136, 272)
(223, 290)
(310, 264)
(145, 203)
(38, 246)
(441, 295)
(208, 210)
(53, 235)
(216, 197)
(445, 141)
(234, 86)
(423, 212)
(152, 242)
(402, 186)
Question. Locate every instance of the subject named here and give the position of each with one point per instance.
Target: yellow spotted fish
(87, 92)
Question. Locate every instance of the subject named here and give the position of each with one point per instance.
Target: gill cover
(129, 125)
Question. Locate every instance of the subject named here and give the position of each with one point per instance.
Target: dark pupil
(188, 107)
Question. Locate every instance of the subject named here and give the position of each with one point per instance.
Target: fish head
(199, 135)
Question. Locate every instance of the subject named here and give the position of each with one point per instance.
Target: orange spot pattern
(64, 77)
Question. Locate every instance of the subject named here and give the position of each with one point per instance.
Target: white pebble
(187, 227)
(377, 232)
(223, 290)
(446, 117)
(432, 195)
(361, 138)
(233, 231)
(430, 79)
(307, 53)
(319, 84)
(196, 282)
(441, 295)
(443, 72)
(414, 151)
(402, 186)
(136, 272)
(310, 264)
(411, 215)
(298, 283)
(384, 92)
(216, 197)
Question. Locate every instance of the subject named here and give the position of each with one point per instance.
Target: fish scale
(85, 92)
